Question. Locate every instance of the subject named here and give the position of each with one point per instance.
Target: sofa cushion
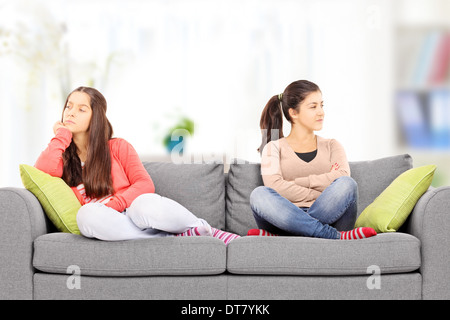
(243, 178)
(56, 198)
(198, 187)
(391, 252)
(376, 175)
(372, 178)
(55, 252)
(393, 206)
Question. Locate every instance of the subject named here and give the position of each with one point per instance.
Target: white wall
(216, 61)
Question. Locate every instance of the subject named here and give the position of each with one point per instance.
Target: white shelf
(423, 13)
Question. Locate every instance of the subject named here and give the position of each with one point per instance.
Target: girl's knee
(144, 203)
(257, 194)
(87, 217)
(86, 212)
(145, 198)
(348, 183)
(145, 211)
(260, 197)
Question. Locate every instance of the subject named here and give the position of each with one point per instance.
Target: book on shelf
(439, 108)
(425, 59)
(425, 118)
(429, 60)
(412, 119)
(441, 62)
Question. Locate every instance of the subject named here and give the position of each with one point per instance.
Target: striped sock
(196, 232)
(226, 237)
(260, 232)
(358, 233)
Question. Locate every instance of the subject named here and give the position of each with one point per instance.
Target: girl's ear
(293, 113)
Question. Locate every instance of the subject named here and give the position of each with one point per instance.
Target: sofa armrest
(21, 221)
(430, 222)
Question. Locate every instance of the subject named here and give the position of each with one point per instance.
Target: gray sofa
(39, 263)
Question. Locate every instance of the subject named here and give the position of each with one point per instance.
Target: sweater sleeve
(139, 179)
(321, 181)
(273, 178)
(50, 160)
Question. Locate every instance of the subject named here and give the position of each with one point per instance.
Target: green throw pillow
(56, 197)
(391, 208)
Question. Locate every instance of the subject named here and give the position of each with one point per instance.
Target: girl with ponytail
(307, 188)
(272, 116)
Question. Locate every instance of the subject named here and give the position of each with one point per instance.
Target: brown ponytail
(271, 122)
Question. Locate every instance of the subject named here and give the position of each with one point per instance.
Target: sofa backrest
(223, 199)
(198, 187)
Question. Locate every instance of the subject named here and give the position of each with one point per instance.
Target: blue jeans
(337, 206)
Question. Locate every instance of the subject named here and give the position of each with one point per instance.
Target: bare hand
(58, 125)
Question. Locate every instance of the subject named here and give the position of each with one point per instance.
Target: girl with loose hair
(307, 188)
(116, 192)
(96, 173)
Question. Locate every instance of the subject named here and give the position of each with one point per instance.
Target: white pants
(150, 215)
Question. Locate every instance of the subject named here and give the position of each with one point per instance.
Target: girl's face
(311, 112)
(77, 113)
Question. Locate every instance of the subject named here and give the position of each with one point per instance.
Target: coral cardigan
(298, 181)
(130, 179)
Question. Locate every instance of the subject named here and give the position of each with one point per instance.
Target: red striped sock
(226, 237)
(260, 232)
(358, 233)
(196, 232)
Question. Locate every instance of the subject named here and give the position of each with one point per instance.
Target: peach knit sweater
(298, 181)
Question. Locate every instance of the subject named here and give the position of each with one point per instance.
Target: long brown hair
(271, 122)
(96, 174)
